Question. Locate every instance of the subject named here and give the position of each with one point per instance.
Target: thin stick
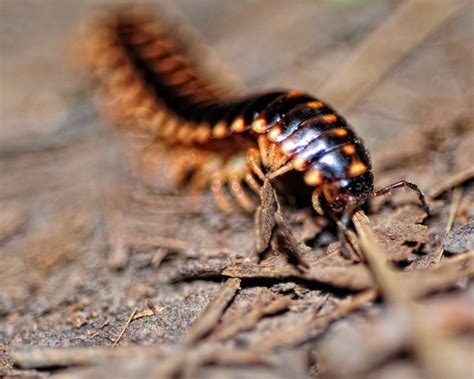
(162, 242)
(249, 320)
(402, 31)
(456, 200)
(42, 358)
(132, 315)
(118, 254)
(102, 326)
(452, 182)
(457, 196)
(186, 248)
(296, 334)
(427, 345)
(468, 255)
(152, 306)
(209, 318)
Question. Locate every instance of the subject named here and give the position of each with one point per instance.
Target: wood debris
(208, 320)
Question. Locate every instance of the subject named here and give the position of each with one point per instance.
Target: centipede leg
(263, 148)
(315, 201)
(401, 184)
(217, 188)
(198, 182)
(272, 152)
(281, 170)
(238, 192)
(181, 168)
(254, 160)
(252, 182)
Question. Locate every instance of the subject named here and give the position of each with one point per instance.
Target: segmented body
(147, 79)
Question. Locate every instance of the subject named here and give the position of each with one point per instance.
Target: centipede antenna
(403, 184)
(282, 170)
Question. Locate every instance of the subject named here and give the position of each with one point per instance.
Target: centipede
(238, 143)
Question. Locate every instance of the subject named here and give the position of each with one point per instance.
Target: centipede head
(348, 194)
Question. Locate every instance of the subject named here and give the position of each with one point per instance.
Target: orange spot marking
(340, 132)
(220, 130)
(315, 104)
(313, 177)
(329, 118)
(357, 168)
(287, 146)
(274, 133)
(299, 163)
(349, 149)
(259, 125)
(238, 125)
(293, 93)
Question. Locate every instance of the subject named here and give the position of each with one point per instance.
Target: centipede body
(149, 80)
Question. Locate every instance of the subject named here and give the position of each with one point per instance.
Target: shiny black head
(348, 193)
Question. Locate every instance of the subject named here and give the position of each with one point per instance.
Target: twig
(453, 181)
(467, 256)
(206, 354)
(249, 320)
(132, 315)
(209, 318)
(296, 247)
(76, 356)
(355, 277)
(456, 200)
(185, 248)
(118, 254)
(427, 346)
(13, 220)
(160, 254)
(405, 28)
(102, 326)
(162, 242)
(457, 196)
(292, 335)
(143, 313)
(152, 307)
(439, 277)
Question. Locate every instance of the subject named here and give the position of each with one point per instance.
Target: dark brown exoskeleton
(236, 144)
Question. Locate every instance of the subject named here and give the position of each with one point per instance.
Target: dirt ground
(104, 272)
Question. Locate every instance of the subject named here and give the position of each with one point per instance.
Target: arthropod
(237, 143)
